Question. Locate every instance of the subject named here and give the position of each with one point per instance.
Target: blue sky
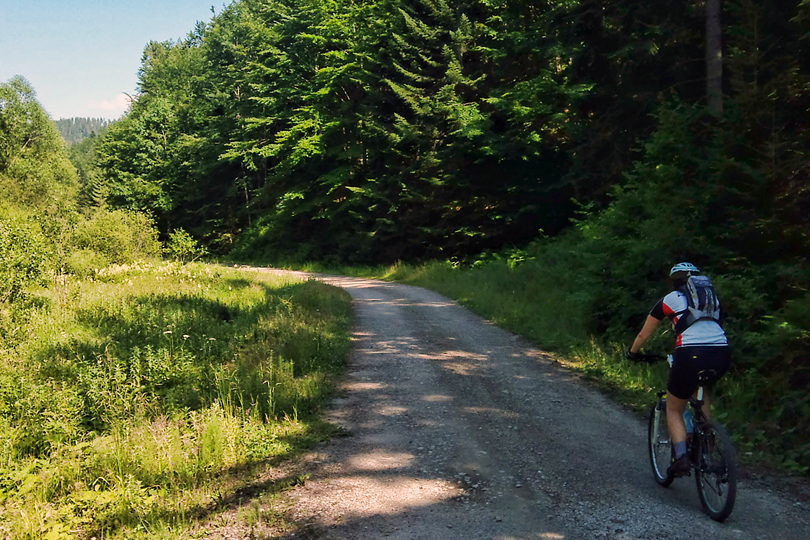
(81, 56)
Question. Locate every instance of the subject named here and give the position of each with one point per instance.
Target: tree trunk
(714, 58)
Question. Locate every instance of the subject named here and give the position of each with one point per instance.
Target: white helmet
(684, 267)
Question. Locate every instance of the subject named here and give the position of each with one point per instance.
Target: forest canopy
(385, 130)
(75, 130)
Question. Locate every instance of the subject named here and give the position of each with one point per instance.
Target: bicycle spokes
(715, 474)
(658, 443)
(715, 483)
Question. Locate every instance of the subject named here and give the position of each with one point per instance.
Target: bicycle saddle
(706, 376)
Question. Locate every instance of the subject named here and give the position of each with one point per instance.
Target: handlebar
(648, 358)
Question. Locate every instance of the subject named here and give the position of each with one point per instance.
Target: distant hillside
(75, 130)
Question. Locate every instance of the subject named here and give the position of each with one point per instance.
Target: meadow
(137, 401)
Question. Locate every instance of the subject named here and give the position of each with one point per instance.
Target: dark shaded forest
(385, 130)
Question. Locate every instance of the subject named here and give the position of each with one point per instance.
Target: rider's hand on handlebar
(634, 356)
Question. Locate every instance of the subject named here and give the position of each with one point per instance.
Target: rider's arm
(647, 330)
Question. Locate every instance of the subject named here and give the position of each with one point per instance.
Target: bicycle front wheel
(659, 443)
(716, 471)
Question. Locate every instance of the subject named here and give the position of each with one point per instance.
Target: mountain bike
(711, 452)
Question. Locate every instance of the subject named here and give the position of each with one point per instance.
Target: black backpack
(701, 300)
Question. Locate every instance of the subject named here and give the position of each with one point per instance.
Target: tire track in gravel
(459, 429)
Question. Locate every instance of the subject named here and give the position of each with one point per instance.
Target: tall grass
(133, 403)
(538, 305)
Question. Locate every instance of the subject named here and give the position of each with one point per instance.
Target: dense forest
(614, 137)
(385, 130)
(611, 138)
(77, 129)
(543, 162)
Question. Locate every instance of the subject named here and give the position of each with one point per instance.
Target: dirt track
(459, 429)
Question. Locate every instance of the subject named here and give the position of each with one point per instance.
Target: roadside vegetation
(574, 300)
(138, 396)
(140, 399)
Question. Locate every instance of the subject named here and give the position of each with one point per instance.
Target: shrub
(120, 236)
(24, 256)
(183, 247)
(44, 414)
(84, 262)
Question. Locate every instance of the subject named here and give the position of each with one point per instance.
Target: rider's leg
(677, 429)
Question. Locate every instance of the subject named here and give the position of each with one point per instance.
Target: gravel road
(459, 429)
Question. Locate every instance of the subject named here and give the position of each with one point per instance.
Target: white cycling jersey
(702, 333)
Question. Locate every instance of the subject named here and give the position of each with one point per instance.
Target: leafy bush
(83, 262)
(45, 415)
(119, 236)
(24, 255)
(183, 247)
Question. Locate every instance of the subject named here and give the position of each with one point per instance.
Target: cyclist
(699, 344)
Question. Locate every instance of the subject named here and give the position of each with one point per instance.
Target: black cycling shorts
(689, 361)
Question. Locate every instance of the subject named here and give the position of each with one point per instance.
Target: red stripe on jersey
(669, 312)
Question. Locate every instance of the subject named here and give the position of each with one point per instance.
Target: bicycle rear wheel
(716, 471)
(658, 443)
